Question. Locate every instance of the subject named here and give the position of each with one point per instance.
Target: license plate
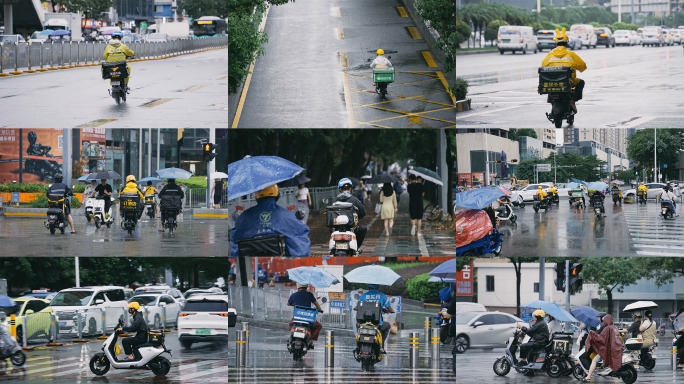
(366, 338)
(300, 335)
(202, 332)
(506, 40)
(341, 246)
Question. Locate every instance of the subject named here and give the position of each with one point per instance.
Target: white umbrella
(219, 175)
(639, 305)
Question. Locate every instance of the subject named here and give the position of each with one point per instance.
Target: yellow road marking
(155, 103)
(340, 33)
(335, 11)
(248, 79)
(343, 59)
(210, 215)
(414, 33)
(96, 123)
(446, 86)
(222, 78)
(402, 11)
(428, 59)
(348, 99)
(195, 88)
(25, 214)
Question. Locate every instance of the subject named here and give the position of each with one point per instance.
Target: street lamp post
(655, 155)
(486, 158)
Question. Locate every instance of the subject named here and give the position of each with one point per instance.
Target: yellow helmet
(561, 36)
(380, 52)
(130, 178)
(134, 305)
(271, 191)
(540, 187)
(642, 183)
(538, 313)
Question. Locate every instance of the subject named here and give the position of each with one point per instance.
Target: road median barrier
(210, 214)
(25, 212)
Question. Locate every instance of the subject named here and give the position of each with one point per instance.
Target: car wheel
(461, 343)
(186, 344)
(525, 50)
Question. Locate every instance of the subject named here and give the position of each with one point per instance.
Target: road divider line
(348, 99)
(195, 88)
(155, 103)
(340, 33)
(248, 79)
(335, 12)
(414, 33)
(446, 86)
(402, 11)
(488, 112)
(96, 123)
(343, 60)
(428, 59)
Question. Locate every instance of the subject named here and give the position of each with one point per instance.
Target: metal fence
(18, 57)
(197, 198)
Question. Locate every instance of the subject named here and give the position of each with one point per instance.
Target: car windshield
(206, 306)
(188, 294)
(464, 318)
(12, 310)
(71, 298)
(143, 300)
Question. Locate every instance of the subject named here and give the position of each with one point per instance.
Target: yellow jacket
(642, 188)
(116, 51)
(541, 193)
(563, 57)
(150, 191)
(132, 189)
(552, 190)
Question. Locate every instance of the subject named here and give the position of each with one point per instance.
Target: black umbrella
(104, 175)
(295, 181)
(382, 179)
(354, 181)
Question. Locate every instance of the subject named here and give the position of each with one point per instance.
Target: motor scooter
(130, 211)
(368, 338)
(10, 348)
(666, 210)
(634, 346)
(99, 215)
(447, 331)
(517, 200)
(147, 356)
(627, 373)
(382, 77)
(303, 321)
(88, 208)
(556, 83)
(617, 196)
(170, 207)
(507, 214)
(540, 203)
(116, 72)
(537, 363)
(150, 206)
(342, 218)
(641, 197)
(55, 214)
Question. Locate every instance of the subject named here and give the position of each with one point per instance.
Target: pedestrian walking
(416, 192)
(217, 191)
(303, 201)
(388, 199)
(361, 191)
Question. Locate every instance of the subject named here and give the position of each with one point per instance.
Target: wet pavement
(503, 89)
(192, 237)
(316, 70)
(185, 91)
(475, 366)
(268, 361)
(68, 364)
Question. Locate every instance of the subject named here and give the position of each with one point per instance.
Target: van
(586, 33)
(87, 305)
(516, 38)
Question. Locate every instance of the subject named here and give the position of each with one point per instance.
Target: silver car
(484, 329)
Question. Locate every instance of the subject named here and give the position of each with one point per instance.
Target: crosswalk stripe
(651, 234)
(204, 373)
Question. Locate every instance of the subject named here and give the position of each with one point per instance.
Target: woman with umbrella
(217, 191)
(388, 199)
(303, 198)
(416, 192)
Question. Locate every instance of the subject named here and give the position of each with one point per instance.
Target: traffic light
(208, 152)
(560, 276)
(575, 282)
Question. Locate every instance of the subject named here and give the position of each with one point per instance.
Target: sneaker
(107, 216)
(413, 230)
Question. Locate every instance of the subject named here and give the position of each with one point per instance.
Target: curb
(465, 53)
(463, 105)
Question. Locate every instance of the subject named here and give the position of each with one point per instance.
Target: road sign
(14, 197)
(342, 304)
(544, 167)
(337, 296)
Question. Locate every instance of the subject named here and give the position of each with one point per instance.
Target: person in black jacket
(139, 327)
(539, 335)
(169, 189)
(62, 190)
(345, 187)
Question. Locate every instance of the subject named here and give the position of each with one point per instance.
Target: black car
(604, 36)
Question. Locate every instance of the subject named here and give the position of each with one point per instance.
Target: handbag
(378, 208)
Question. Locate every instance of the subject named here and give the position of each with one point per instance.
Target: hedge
(24, 187)
(419, 288)
(42, 202)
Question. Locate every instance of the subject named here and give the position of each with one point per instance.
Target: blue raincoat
(268, 218)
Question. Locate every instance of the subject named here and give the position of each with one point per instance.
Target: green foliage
(41, 201)
(611, 273)
(669, 141)
(662, 269)
(492, 31)
(581, 167)
(441, 14)
(545, 24)
(418, 287)
(460, 88)
(194, 182)
(463, 32)
(79, 188)
(399, 266)
(516, 134)
(564, 25)
(90, 9)
(595, 24)
(615, 26)
(23, 187)
(199, 8)
(245, 45)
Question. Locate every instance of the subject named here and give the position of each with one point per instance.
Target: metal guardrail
(19, 57)
(197, 198)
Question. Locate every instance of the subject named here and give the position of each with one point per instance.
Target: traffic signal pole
(211, 167)
(567, 285)
(542, 262)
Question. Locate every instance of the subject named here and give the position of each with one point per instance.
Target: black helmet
(32, 137)
(300, 214)
(58, 177)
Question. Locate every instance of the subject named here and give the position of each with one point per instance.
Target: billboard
(30, 155)
(92, 151)
(464, 281)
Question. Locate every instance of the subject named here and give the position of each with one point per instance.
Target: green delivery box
(383, 75)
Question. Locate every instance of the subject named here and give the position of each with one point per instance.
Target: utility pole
(567, 284)
(542, 263)
(655, 155)
(486, 158)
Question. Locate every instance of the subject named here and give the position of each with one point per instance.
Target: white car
(654, 191)
(462, 307)
(153, 307)
(205, 318)
(637, 37)
(484, 329)
(677, 35)
(201, 291)
(529, 191)
(623, 37)
(89, 304)
(159, 288)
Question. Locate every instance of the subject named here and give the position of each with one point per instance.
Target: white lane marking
(488, 112)
(422, 246)
(204, 373)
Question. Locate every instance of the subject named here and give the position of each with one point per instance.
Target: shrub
(459, 89)
(79, 188)
(418, 287)
(42, 202)
(24, 187)
(463, 32)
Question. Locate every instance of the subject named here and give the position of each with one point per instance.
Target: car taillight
(603, 35)
(185, 314)
(342, 237)
(521, 39)
(220, 314)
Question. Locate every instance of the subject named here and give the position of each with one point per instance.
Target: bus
(207, 26)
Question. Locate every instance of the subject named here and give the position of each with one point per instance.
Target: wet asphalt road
(625, 87)
(315, 72)
(185, 91)
(268, 361)
(475, 366)
(193, 237)
(203, 363)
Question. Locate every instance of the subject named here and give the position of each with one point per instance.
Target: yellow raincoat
(132, 189)
(563, 57)
(117, 51)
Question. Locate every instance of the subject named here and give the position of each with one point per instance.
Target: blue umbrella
(373, 274)
(552, 309)
(587, 315)
(84, 178)
(573, 185)
(60, 32)
(173, 173)
(254, 173)
(478, 198)
(104, 175)
(317, 277)
(6, 301)
(597, 186)
(446, 270)
(154, 180)
(578, 181)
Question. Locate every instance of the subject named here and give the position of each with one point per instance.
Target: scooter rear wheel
(99, 364)
(97, 223)
(578, 372)
(501, 366)
(628, 374)
(649, 363)
(161, 366)
(558, 122)
(18, 358)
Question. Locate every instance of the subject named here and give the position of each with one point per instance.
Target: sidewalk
(431, 242)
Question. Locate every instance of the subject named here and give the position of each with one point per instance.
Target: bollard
(53, 329)
(13, 324)
(240, 349)
(414, 344)
(329, 349)
(435, 344)
(24, 331)
(673, 351)
(245, 328)
(428, 326)
(79, 326)
(164, 319)
(104, 323)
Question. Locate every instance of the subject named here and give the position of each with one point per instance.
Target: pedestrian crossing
(52, 369)
(378, 374)
(651, 234)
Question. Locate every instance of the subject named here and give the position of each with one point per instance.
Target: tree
(462, 32)
(662, 269)
(670, 141)
(517, 266)
(516, 134)
(199, 8)
(492, 32)
(611, 273)
(441, 14)
(244, 46)
(90, 9)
